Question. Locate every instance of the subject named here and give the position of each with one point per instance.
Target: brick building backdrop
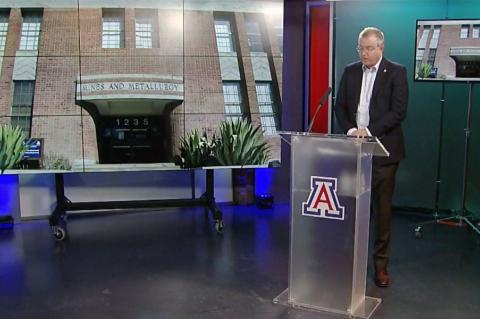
(97, 77)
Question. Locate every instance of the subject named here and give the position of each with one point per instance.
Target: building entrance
(134, 139)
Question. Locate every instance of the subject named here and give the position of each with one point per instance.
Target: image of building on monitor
(106, 86)
(448, 50)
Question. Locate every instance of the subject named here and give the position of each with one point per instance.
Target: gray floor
(171, 264)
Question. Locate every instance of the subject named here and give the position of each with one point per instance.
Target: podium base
(364, 311)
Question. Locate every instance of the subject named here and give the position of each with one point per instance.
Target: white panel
(223, 184)
(261, 68)
(25, 66)
(229, 68)
(37, 192)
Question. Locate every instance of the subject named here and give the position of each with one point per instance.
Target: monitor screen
(133, 91)
(447, 50)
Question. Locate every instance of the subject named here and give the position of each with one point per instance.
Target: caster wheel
(59, 233)
(418, 232)
(219, 226)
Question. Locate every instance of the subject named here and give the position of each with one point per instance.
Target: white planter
(9, 198)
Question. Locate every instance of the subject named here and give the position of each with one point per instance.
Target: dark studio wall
(417, 174)
(416, 179)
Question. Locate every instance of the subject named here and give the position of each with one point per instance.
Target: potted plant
(12, 149)
(240, 143)
(197, 150)
(424, 71)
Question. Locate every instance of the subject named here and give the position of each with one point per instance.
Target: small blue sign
(34, 151)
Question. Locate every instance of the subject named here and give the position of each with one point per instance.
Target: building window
(432, 52)
(476, 31)
(145, 29)
(419, 57)
(30, 30)
(254, 36)
(113, 35)
(421, 45)
(233, 100)
(279, 36)
(224, 36)
(3, 29)
(435, 37)
(423, 39)
(266, 106)
(22, 105)
(464, 31)
(431, 56)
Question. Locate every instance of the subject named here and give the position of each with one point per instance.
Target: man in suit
(372, 101)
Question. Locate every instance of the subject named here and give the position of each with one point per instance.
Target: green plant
(241, 144)
(12, 146)
(56, 161)
(196, 150)
(424, 70)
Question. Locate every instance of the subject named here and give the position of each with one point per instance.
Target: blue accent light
(8, 195)
(263, 180)
(263, 184)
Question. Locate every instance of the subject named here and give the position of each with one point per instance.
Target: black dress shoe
(382, 279)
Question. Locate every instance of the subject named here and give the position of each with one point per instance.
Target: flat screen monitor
(141, 96)
(447, 50)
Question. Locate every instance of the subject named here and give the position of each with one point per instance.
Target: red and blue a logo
(323, 201)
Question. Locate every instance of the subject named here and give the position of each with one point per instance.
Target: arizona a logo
(323, 201)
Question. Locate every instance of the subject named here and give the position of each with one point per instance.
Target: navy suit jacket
(388, 105)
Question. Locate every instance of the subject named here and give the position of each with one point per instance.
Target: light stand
(461, 218)
(438, 178)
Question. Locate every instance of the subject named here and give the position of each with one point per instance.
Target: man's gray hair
(368, 31)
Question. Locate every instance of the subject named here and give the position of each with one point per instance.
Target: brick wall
(450, 37)
(190, 53)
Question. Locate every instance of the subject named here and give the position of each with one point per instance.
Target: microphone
(323, 99)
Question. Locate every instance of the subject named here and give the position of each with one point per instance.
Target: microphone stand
(323, 99)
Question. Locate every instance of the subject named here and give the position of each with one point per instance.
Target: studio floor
(170, 263)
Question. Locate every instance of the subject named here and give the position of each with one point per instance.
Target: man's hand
(361, 132)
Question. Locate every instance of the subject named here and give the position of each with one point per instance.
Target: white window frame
(224, 36)
(3, 30)
(22, 105)
(476, 31)
(254, 36)
(420, 55)
(146, 28)
(435, 37)
(30, 35)
(113, 29)
(267, 107)
(143, 33)
(232, 97)
(423, 39)
(464, 31)
(279, 35)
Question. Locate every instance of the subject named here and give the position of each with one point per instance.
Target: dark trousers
(383, 184)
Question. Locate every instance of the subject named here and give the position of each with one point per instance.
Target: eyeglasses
(366, 49)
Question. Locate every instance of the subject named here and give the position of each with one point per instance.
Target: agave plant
(424, 70)
(12, 146)
(197, 150)
(241, 144)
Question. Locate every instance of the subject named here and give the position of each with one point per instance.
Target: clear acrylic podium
(329, 228)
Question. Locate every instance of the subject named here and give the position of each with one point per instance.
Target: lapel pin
(384, 70)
